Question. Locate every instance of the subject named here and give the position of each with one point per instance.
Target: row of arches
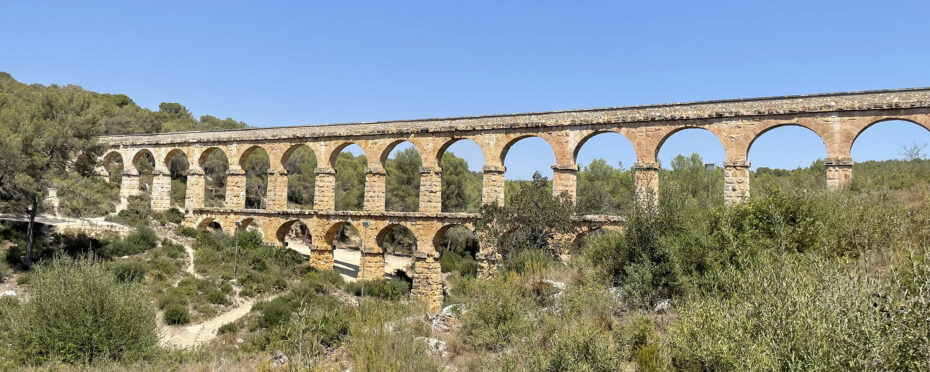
(520, 156)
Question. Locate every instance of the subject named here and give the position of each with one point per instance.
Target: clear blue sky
(279, 63)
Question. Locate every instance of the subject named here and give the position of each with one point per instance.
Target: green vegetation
(78, 313)
(797, 278)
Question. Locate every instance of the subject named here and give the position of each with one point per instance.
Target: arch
(675, 131)
(333, 230)
(339, 149)
(536, 155)
(390, 235)
(172, 153)
(114, 166)
(215, 165)
(441, 232)
(286, 228)
(667, 136)
(390, 148)
(461, 181)
(871, 124)
(244, 156)
(760, 133)
(586, 138)
(143, 155)
(506, 148)
(207, 222)
(603, 185)
(177, 172)
(205, 154)
(402, 177)
(350, 178)
(300, 162)
(445, 147)
(255, 169)
(246, 222)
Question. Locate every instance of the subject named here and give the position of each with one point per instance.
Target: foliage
(603, 189)
(140, 240)
(529, 220)
(818, 315)
(79, 313)
(176, 313)
(450, 261)
(495, 316)
(380, 339)
(389, 288)
(350, 181)
(301, 177)
(402, 182)
(132, 271)
(461, 187)
(85, 196)
(256, 179)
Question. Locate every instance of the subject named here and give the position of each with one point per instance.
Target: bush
(580, 347)
(177, 313)
(140, 240)
(274, 312)
(173, 215)
(230, 327)
(129, 271)
(187, 231)
(79, 313)
(528, 261)
(792, 312)
(463, 264)
(388, 289)
(497, 314)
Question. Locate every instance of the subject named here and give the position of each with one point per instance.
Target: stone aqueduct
(837, 118)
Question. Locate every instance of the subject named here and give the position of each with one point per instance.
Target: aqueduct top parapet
(669, 113)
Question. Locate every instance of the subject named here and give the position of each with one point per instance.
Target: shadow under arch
(394, 236)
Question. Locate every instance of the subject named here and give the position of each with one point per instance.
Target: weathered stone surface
(837, 118)
(735, 182)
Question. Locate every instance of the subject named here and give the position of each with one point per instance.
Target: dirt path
(196, 334)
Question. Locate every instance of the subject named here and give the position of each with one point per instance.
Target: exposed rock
(10, 293)
(447, 318)
(278, 360)
(435, 346)
(663, 306)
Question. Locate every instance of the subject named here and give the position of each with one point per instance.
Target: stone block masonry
(838, 118)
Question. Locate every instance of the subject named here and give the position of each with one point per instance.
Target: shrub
(791, 312)
(132, 271)
(528, 261)
(580, 347)
(140, 240)
(496, 314)
(79, 313)
(177, 313)
(173, 215)
(389, 289)
(274, 312)
(187, 231)
(464, 264)
(230, 327)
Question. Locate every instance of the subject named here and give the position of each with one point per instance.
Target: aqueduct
(836, 118)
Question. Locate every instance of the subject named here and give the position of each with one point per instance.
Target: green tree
(461, 188)
(45, 133)
(603, 189)
(402, 183)
(350, 181)
(530, 218)
(301, 177)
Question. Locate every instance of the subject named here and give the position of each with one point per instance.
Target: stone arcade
(837, 118)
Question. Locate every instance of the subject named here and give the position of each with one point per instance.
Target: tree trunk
(29, 230)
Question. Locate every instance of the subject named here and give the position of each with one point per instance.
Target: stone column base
(839, 172)
(646, 178)
(487, 264)
(321, 258)
(564, 181)
(427, 281)
(492, 190)
(371, 266)
(735, 182)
